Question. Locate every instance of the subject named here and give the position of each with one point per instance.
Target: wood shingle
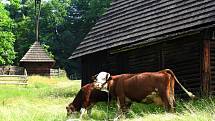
(132, 21)
(36, 54)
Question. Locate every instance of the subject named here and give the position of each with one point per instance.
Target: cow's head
(71, 110)
(101, 79)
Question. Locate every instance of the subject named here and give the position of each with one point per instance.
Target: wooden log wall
(112, 63)
(89, 68)
(182, 55)
(144, 59)
(212, 67)
(95, 63)
(38, 68)
(184, 58)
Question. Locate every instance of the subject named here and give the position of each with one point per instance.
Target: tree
(82, 16)
(7, 53)
(22, 13)
(53, 14)
(63, 25)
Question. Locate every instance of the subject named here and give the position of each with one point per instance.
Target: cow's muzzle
(98, 85)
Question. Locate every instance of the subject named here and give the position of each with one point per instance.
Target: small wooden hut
(150, 35)
(37, 61)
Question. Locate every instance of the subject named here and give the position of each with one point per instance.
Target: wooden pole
(206, 75)
(37, 13)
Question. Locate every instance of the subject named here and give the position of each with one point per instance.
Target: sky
(8, 2)
(5, 1)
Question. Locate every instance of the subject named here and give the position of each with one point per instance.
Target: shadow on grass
(102, 112)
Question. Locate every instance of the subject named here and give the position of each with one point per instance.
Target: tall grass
(45, 99)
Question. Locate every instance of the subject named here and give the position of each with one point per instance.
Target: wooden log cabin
(37, 61)
(150, 35)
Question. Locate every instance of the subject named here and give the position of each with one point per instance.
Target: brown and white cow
(149, 87)
(85, 99)
(88, 96)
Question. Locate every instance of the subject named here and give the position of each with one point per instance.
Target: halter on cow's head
(100, 80)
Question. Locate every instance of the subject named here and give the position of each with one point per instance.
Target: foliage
(22, 12)
(7, 38)
(82, 16)
(53, 15)
(63, 25)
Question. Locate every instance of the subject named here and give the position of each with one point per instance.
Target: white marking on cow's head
(101, 79)
(105, 88)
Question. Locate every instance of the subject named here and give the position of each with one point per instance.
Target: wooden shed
(37, 61)
(150, 35)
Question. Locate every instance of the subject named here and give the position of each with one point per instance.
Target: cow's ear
(107, 76)
(94, 77)
(110, 78)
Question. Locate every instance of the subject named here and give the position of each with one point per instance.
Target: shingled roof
(132, 21)
(36, 54)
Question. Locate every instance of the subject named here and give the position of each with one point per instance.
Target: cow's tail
(190, 94)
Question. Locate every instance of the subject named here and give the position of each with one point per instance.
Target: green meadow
(45, 99)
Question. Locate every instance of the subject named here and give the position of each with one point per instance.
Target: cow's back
(113, 83)
(141, 85)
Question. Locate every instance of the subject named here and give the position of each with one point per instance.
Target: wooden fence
(13, 75)
(57, 72)
(75, 76)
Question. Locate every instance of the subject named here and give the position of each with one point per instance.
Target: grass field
(45, 99)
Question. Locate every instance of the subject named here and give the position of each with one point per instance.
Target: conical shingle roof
(36, 54)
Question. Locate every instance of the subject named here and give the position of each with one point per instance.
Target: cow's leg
(122, 107)
(119, 111)
(168, 95)
(165, 96)
(172, 100)
(172, 103)
(128, 104)
(172, 84)
(122, 104)
(89, 110)
(82, 112)
(165, 100)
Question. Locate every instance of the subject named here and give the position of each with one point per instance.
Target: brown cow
(86, 98)
(157, 87)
